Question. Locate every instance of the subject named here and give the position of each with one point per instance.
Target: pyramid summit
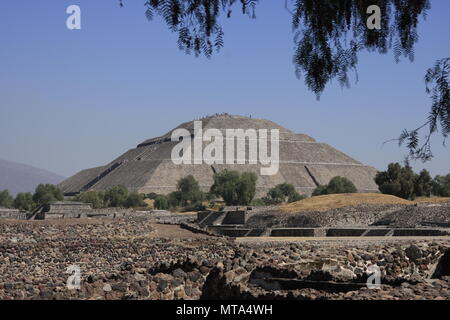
(149, 167)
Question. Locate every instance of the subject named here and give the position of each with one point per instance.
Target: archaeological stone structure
(148, 167)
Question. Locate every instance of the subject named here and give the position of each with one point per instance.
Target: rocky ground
(135, 258)
(392, 215)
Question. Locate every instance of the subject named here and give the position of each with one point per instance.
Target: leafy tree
(340, 185)
(151, 196)
(24, 201)
(95, 198)
(134, 200)
(190, 190)
(437, 86)
(441, 186)
(283, 192)
(320, 190)
(161, 203)
(246, 188)
(6, 200)
(174, 199)
(424, 184)
(46, 194)
(116, 196)
(397, 180)
(233, 187)
(336, 185)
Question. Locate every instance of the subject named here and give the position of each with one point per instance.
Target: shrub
(320, 190)
(24, 201)
(174, 199)
(441, 186)
(6, 200)
(46, 194)
(398, 181)
(161, 203)
(257, 202)
(283, 192)
(423, 186)
(234, 188)
(190, 190)
(116, 196)
(95, 198)
(340, 185)
(135, 200)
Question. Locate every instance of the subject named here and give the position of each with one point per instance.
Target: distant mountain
(17, 177)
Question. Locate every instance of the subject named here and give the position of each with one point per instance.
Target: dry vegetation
(334, 201)
(432, 200)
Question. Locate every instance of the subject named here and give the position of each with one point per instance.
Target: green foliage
(24, 201)
(438, 87)
(189, 190)
(151, 196)
(283, 192)
(234, 188)
(161, 203)
(423, 184)
(441, 186)
(46, 194)
(397, 180)
(174, 199)
(336, 185)
(6, 200)
(320, 190)
(135, 200)
(116, 196)
(258, 202)
(93, 197)
(340, 185)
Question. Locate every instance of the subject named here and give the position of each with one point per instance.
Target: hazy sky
(73, 99)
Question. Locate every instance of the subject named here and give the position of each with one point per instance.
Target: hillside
(17, 177)
(335, 201)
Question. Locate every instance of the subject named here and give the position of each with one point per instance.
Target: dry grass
(432, 200)
(334, 201)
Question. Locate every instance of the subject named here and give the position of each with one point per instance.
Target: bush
(24, 201)
(161, 203)
(398, 181)
(441, 186)
(340, 185)
(116, 196)
(234, 188)
(151, 196)
(189, 190)
(174, 199)
(336, 185)
(95, 198)
(135, 200)
(320, 190)
(423, 186)
(283, 192)
(257, 202)
(6, 200)
(46, 194)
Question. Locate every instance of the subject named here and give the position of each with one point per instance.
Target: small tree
(161, 203)
(24, 201)
(116, 196)
(46, 194)
(441, 186)
(397, 180)
(174, 199)
(95, 198)
(336, 185)
(135, 200)
(283, 192)
(424, 184)
(6, 200)
(234, 188)
(190, 190)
